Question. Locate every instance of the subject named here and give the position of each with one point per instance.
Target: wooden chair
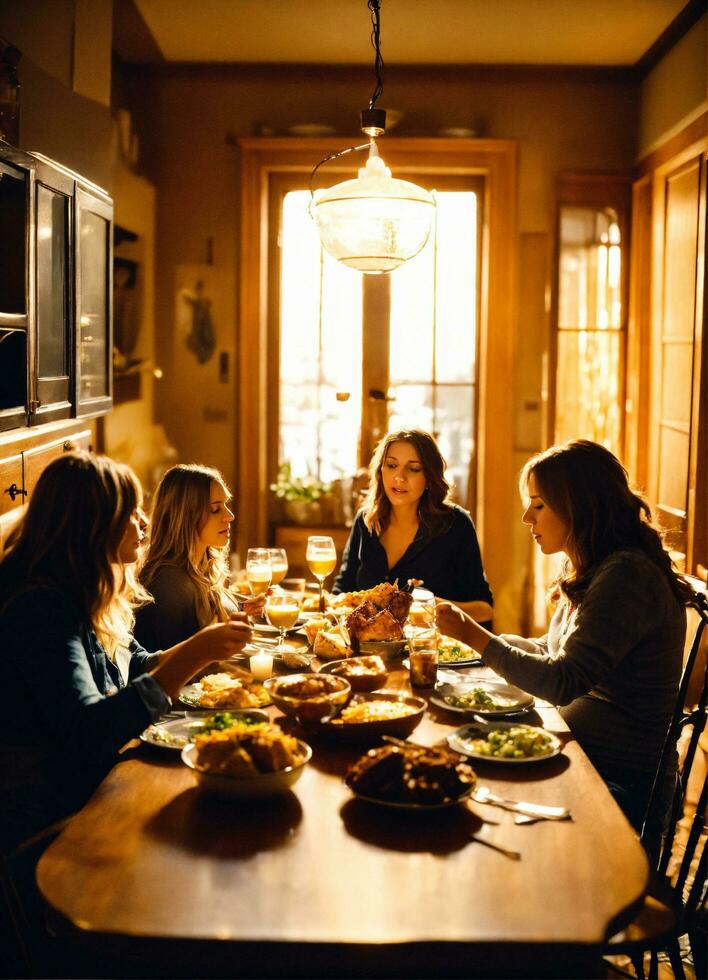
(676, 903)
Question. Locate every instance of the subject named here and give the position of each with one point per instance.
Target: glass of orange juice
(282, 610)
(321, 556)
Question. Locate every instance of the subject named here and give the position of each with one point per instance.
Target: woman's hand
(254, 606)
(452, 621)
(222, 640)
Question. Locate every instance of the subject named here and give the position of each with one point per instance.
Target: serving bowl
(400, 727)
(367, 680)
(247, 787)
(389, 650)
(309, 697)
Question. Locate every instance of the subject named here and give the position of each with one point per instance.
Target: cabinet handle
(15, 491)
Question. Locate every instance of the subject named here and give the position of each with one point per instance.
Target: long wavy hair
(70, 540)
(180, 510)
(587, 487)
(434, 510)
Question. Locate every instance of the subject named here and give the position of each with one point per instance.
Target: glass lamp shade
(374, 223)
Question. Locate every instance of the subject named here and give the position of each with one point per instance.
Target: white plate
(191, 696)
(517, 699)
(459, 742)
(173, 734)
(269, 630)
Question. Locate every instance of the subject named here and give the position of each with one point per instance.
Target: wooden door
(678, 273)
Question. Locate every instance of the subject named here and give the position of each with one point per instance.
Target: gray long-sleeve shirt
(613, 663)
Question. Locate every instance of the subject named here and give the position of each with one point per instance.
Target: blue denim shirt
(450, 564)
(66, 711)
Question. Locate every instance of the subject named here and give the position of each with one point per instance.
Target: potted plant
(300, 495)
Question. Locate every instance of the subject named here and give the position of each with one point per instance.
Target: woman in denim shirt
(81, 687)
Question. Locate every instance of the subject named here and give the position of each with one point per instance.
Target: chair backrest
(686, 713)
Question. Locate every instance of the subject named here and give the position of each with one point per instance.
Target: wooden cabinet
(23, 456)
(55, 293)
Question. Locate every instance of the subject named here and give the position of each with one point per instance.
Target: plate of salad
(504, 742)
(174, 733)
(484, 697)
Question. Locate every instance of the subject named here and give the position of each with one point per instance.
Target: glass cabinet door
(93, 303)
(14, 183)
(53, 196)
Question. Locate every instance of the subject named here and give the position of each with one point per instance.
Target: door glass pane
(13, 213)
(590, 269)
(13, 368)
(51, 283)
(433, 335)
(455, 432)
(456, 287)
(320, 351)
(587, 397)
(93, 326)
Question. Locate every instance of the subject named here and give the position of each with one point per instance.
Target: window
(591, 316)
(361, 355)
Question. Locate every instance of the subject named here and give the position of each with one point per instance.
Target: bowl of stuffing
(363, 673)
(368, 717)
(309, 697)
(246, 761)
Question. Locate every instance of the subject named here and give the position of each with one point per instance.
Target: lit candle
(261, 665)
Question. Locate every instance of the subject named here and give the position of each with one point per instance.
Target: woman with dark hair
(409, 529)
(613, 653)
(81, 685)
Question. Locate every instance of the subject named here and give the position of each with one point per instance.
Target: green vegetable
(477, 698)
(519, 742)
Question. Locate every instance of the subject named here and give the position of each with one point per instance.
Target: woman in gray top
(613, 653)
(186, 565)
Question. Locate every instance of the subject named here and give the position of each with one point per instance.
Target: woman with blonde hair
(408, 527)
(81, 685)
(613, 652)
(186, 565)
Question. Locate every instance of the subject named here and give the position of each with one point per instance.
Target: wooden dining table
(174, 882)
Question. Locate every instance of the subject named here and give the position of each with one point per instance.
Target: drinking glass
(422, 611)
(278, 564)
(258, 570)
(282, 610)
(321, 558)
(423, 657)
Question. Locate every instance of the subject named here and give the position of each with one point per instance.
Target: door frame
(496, 162)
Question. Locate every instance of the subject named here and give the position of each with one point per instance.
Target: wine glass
(278, 564)
(258, 570)
(282, 610)
(321, 558)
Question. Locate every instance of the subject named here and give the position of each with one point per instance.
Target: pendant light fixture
(375, 222)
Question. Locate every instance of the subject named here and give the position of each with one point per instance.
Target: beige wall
(64, 113)
(675, 91)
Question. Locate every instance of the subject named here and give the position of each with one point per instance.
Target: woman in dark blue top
(80, 685)
(409, 529)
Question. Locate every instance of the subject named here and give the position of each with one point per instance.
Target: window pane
(412, 408)
(320, 343)
(454, 430)
(412, 318)
(590, 269)
(587, 398)
(455, 288)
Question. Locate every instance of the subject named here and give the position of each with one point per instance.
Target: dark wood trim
(679, 26)
(694, 132)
